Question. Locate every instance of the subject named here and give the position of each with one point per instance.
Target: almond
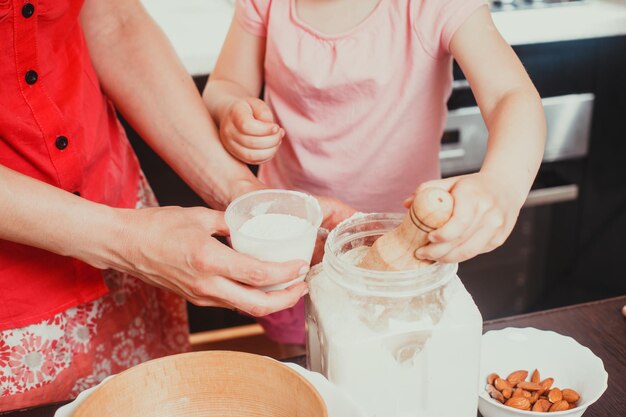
(491, 378)
(518, 392)
(570, 395)
(520, 403)
(501, 384)
(559, 406)
(545, 385)
(542, 405)
(535, 377)
(555, 395)
(536, 394)
(534, 397)
(529, 386)
(494, 393)
(515, 377)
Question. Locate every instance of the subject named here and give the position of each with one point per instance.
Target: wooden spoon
(395, 250)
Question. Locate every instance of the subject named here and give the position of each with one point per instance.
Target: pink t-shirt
(364, 110)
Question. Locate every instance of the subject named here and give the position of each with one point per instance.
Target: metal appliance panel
(568, 122)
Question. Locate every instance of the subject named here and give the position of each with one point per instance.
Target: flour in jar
(396, 356)
(275, 226)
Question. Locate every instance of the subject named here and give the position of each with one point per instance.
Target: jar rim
(372, 282)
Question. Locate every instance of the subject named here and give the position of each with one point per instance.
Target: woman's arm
(169, 247)
(487, 203)
(139, 70)
(247, 126)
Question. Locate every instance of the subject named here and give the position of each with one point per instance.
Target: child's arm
(487, 203)
(247, 127)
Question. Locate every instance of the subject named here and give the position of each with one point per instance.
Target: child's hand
(335, 211)
(485, 211)
(248, 131)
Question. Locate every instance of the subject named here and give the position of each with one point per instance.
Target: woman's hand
(485, 211)
(174, 248)
(248, 131)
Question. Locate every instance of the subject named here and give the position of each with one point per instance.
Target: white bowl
(560, 357)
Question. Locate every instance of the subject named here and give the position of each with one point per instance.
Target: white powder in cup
(276, 238)
(275, 226)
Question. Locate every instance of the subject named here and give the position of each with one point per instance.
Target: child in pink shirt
(355, 104)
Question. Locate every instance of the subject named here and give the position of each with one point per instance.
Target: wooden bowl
(207, 384)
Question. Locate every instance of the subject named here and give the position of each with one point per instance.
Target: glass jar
(399, 343)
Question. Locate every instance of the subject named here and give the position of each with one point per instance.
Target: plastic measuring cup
(299, 246)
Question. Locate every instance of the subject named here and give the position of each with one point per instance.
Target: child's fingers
(435, 251)
(259, 142)
(335, 211)
(244, 121)
(477, 243)
(251, 156)
(487, 232)
(251, 126)
(261, 110)
(465, 213)
(439, 250)
(408, 201)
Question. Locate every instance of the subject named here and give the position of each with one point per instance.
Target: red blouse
(58, 127)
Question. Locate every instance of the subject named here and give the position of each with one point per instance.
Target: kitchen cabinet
(589, 266)
(595, 268)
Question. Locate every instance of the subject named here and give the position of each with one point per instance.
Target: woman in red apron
(69, 184)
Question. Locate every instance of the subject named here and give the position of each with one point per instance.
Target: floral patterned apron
(55, 359)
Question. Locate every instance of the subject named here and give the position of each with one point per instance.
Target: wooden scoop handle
(395, 250)
(431, 209)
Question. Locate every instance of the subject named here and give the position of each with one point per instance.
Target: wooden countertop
(598, 325)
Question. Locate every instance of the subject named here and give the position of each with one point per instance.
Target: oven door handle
(552, 195)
